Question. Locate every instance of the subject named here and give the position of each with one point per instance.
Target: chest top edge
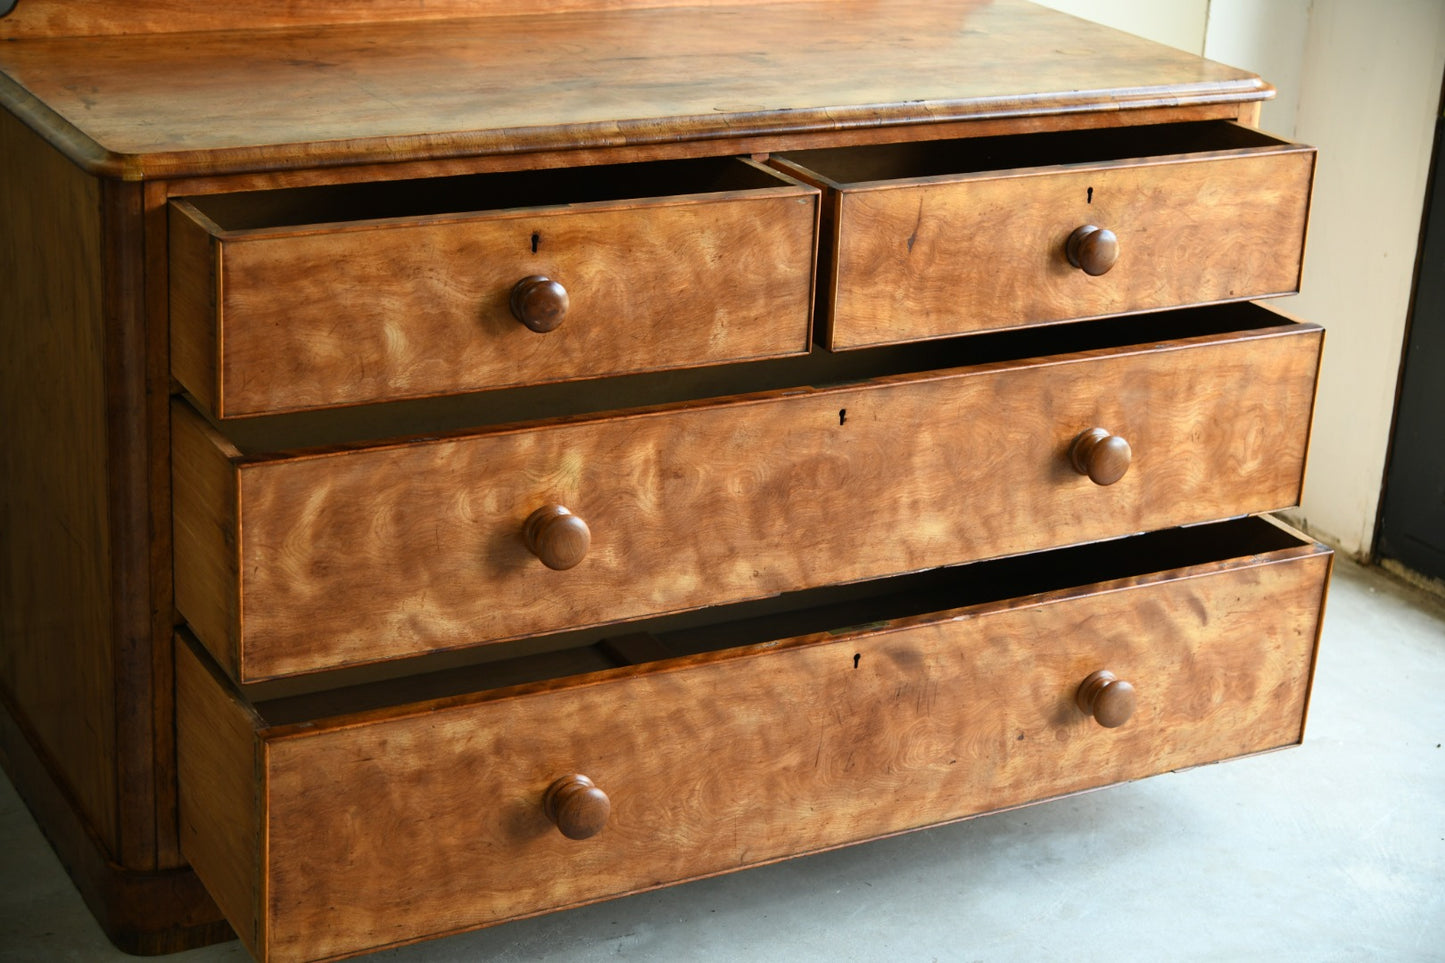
(152, 106)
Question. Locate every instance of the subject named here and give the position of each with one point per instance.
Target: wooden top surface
(158, 105)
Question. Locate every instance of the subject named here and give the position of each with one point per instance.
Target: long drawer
(931, 240)
(314, 297)
(294, 562)
(330, 824)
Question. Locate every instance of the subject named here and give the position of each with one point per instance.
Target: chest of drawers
(468, 467)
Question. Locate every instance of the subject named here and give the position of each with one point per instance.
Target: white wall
(1361, 81)
(1370, 89)
(1179, 23)
(1269, 37)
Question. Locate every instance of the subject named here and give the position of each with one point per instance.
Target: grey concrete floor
(1331, 851)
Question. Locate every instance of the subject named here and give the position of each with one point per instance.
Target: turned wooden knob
(1092, 250)
(539, 302)
(576, 806)
(556, 536)
(1106, 697)
(1103, 457)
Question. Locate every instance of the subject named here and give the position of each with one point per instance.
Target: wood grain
(84, 544)
(206, 525)
(156, 495)
(934, 256)
(351, 556)
(62, 18)
(138, 503)
(362, 555)
(56, 631)
(420, 820)
(729, 146)
(192, 270)
(222, 789)
(268, 100)
(380, 310)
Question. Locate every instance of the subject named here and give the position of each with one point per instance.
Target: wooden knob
(539, 302)
(1106, 697)
(576, 806)
(1103, 457)
(556, 536)
(1092, 250)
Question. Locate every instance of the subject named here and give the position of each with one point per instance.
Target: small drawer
(931, 240)
(297, 561)
(316, 297)
(330, 824)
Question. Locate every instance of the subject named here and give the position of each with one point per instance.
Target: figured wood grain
(408, 822)
(930, 257)
(56, 628)
(147, 106)
(413, 307)
(221, 791)
(449, 675)
(267, 108)
(362, 555)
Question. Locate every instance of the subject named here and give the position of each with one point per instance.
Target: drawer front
(386, 827)
(914, 259)
(270, 320)
(295, 564)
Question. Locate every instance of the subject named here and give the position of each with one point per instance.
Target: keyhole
(1089, 201)
(842, 416)
(537, 239)
(856, 657)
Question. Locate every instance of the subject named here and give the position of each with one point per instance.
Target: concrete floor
(1331, 851)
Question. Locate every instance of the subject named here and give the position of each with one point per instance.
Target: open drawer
(320, 296)
(336, 822)
(300, 561)
(929, 240)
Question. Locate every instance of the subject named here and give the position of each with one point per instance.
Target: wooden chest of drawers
(468, 465)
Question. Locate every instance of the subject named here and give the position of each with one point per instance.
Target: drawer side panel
(194, 276)
(207, 532)
(433, 823)
(218, 772)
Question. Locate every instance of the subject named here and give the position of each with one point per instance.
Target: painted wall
(1369, 96)
(1360, 81)
(1179, 23)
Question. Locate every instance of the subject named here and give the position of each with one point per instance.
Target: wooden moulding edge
(676, 136)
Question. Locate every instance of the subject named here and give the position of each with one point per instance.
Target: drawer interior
(883, 162)
(431, 417)
(476, 193)
(793, 618)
